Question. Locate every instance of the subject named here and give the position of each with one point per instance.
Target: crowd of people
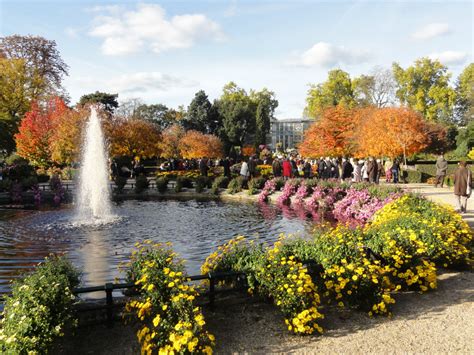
(355, 170)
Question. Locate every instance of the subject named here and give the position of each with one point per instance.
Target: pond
(195, 228)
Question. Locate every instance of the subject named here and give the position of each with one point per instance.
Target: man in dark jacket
(307, 169)
(276, 167)
(441, 168)
(203, 168)
(226, 165)
(252, 167)
(347, 169)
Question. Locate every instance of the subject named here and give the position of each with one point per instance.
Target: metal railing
(109, 287)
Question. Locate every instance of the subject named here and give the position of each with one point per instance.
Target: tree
(42, 59)
(390, 132)
(108, 101)
(35, 132)
(171, 141)
(129, 108)
(134, 138)
(65, 141)
(439, 137)
(336, 90)
(17, 91)
(157, 114)
(195, 144)
(424, 87)
(238, 116)
(199, 114)
(265, 106)
(332, 134)
(376, 89)
(464, 108)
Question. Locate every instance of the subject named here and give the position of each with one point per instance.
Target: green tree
(337, 89)
(158, 114)
(199, 113)
(424, 87)
(464, 108)
(108, 101)
(238, 115)
(265, 105)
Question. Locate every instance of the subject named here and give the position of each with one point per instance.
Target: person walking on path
(462, 186)
(441, 168)
(203, 168)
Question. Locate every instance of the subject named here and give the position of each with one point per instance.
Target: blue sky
(165, 51)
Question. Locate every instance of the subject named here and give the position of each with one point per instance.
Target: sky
(165, 51)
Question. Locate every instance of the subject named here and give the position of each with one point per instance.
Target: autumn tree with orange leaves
(36, 130)
(331, 135)
(171, 141)
(195, 144)
(391, 132)
(134, 138)
(65, 142)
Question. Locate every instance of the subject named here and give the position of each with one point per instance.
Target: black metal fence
(108, 288)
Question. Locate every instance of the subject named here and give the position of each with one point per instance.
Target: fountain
(93, 194)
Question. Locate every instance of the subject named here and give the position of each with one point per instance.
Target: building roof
(292, 120)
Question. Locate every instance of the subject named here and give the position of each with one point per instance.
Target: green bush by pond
(39, 308)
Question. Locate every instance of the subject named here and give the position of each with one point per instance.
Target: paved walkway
(443, 195)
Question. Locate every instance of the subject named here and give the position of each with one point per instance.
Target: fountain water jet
(93, 195)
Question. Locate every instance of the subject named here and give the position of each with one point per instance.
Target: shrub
(120, 183)
(219, 182)
(185, 182)
(283, 279)
(201, 183)
(256, 184)
(39, 308)
(279, 183)
(421, 229)
(141, 183)
(411, 176)
(169, 320)
(178, 187)
(162, 184)
(235, 185)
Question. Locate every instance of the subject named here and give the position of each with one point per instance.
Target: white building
(289, 132)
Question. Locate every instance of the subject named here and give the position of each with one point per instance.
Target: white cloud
(147, 27)
(135, 83)
(328, 55)
(450, 57)
(431, 31)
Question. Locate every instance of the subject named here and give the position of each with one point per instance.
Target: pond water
(195, 228)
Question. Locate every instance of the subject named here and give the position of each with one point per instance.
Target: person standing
(203, 168)
(287, 169)
(462, 186)
(307, 169)
(226, 165)
(347, 170)
(441, 169)
(388, 170)
(371, 170)
(379, 171)
(276, 167)
(395, 171)
(252, 167)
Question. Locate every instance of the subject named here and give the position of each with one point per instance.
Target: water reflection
(195, 228)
